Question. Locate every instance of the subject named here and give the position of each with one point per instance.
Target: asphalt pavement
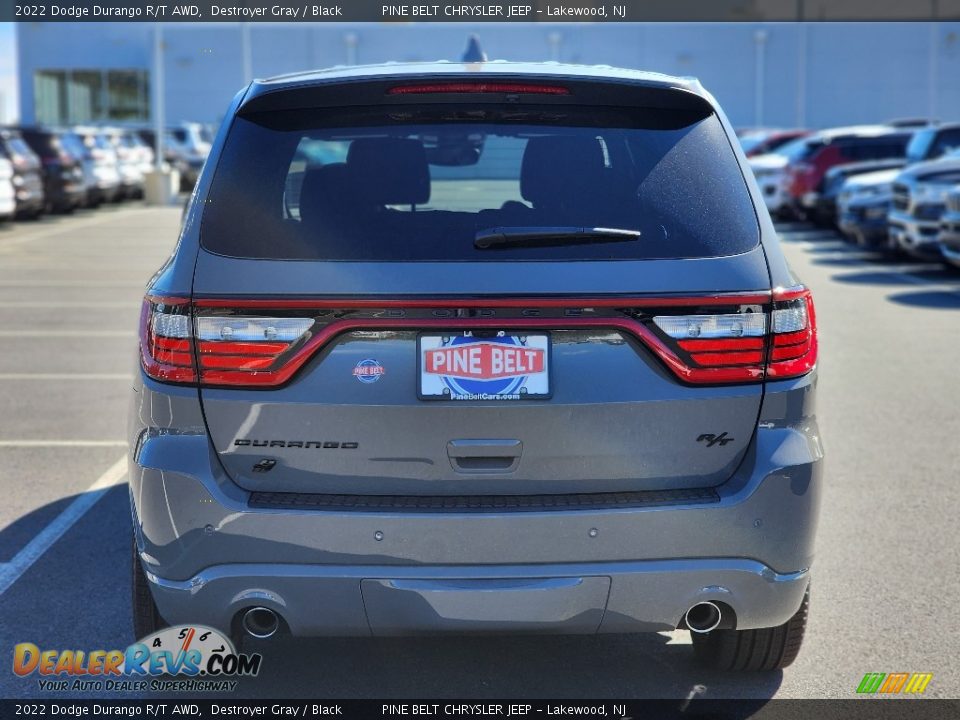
(888, 554)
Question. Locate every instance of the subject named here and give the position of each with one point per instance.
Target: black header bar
(400, 11)
(172, 707)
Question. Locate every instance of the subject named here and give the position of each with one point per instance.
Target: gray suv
(487, 348)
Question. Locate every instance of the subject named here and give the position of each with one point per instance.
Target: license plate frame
(510, 385)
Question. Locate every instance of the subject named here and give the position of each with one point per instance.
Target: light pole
(802, 76)
(160, 185)
(760, 40)
(554, 39)
(351, 40)
(246, 53)
(159, 111)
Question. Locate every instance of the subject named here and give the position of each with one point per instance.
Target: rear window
(420, 184)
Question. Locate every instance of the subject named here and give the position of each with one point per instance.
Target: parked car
(770, 173)
(130, 160)
(764, 142)
(838, 146)
(27, 174)
(100, 166)
(919, 200)
(825, 212)
(63, 183)
(8, 200)
(950, 228)
(550, 394)
(862, 208)
(933, 142)
(173, 154)
(192, 142)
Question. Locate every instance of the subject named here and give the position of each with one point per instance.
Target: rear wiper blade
(544, 236)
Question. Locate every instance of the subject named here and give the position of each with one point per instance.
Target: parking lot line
(70, 283)
(61, 443)
(71, 227)
(40, 304)
(66, 376)
(65, 333)
(12, 571)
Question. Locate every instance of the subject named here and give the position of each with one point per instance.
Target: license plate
(490, 366)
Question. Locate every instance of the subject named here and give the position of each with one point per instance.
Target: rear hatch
(479, 288)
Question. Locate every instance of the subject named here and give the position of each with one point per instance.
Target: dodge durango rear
(488, 349)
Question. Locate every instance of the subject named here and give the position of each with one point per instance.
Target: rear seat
(564, 178)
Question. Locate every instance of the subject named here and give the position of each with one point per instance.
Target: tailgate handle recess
(484, 456)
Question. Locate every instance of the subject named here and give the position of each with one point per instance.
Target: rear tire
(761, 649)
(146, 617)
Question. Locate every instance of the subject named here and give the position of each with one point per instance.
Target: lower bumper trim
(481, 503)
(574, 598)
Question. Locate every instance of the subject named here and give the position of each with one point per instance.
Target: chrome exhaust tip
(703, 617)
(260, 622)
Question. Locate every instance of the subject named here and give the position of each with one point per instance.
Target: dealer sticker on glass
(497, 366)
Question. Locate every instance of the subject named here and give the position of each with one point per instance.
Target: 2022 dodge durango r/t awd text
(496, 348)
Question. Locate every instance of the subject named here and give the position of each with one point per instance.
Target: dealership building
(797, 74)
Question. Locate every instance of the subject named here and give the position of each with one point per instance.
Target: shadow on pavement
(933, 299)
(873, 277)
(22, 530)
(76, 595)
(842, 261)
(629, 666)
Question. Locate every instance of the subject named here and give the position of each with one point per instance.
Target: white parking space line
(66, 376)
(40, 304)
(70, 283)
(71, 227)
(12, 571)
(65, 333)
(61, 443)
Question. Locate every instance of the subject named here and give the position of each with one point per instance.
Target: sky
(8, 73)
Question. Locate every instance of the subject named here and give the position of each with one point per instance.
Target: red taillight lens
(747, 345)
(176, 346)
(479, 87)
(166, 339)
(793, 349)
(246, 350)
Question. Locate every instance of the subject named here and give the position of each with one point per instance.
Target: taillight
(166, 339)
(263, 343)
(235, 350)
(227, 349)
(479, 87)
(746, 345)
(793, 350)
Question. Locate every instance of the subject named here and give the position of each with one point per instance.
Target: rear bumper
(324, 600)
(209, 553)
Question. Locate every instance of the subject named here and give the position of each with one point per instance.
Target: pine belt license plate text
(492, 366)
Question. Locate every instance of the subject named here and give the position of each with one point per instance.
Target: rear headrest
(560, 167)
(327, 191)
(390, 171)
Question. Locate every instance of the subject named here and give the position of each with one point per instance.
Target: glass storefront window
(81, 96)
